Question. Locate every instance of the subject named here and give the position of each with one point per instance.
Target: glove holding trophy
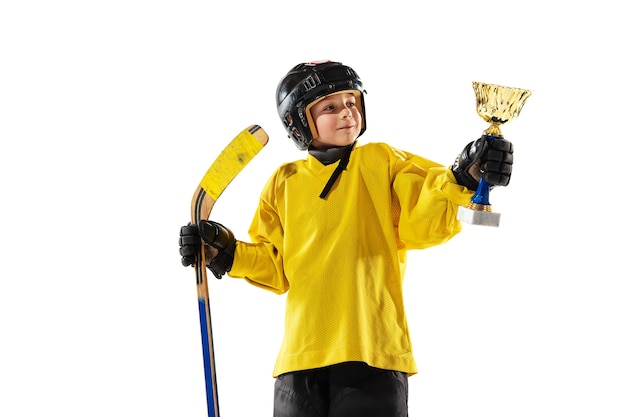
(496, 105)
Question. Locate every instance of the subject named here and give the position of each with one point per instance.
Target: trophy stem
(493, 130)
(479, 209)
(480, 199)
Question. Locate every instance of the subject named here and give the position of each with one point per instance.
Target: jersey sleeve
(260, 262)
(429, 198)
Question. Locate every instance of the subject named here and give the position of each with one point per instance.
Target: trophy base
(478, 214)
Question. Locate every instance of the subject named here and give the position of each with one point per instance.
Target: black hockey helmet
(303, 85)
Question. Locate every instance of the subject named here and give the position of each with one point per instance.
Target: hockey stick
(229, 163)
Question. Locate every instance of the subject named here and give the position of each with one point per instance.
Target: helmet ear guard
(292, 130)
(306, 84)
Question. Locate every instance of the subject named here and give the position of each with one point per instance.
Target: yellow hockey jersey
(342, 259)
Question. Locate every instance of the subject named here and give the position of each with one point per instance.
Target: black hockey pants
(351, 389)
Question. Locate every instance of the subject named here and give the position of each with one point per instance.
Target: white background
(111, 112)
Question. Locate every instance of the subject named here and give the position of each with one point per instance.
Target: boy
(333, 231)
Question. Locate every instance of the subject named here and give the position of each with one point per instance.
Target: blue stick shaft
(209, 359)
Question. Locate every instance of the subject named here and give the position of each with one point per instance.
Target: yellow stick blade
(233, 159)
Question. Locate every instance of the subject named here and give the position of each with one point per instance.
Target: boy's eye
(332, 106)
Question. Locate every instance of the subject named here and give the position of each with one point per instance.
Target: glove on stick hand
(222, 241)
(217, 241)
(490, 156)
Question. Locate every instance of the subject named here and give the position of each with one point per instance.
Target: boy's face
(337, 120)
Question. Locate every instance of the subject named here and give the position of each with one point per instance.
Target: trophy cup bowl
(496, 105)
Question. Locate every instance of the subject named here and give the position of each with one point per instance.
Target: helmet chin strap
(330, 157)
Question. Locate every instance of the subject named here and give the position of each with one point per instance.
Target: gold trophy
(496, 105)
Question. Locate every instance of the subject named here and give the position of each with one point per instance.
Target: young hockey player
(332, 231)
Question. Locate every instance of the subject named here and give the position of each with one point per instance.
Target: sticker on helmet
(314, 63)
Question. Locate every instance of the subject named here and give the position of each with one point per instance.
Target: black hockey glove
(219, 237)
(190, 244)
(490, 156)
(221, 240)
